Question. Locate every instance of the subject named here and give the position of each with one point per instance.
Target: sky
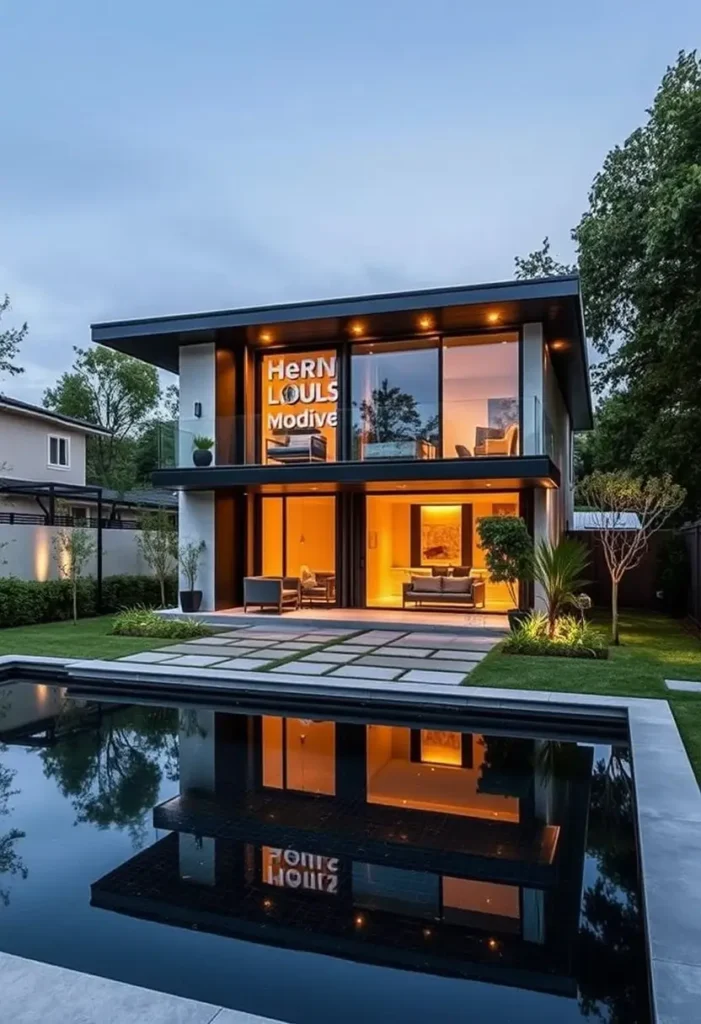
(169, 156)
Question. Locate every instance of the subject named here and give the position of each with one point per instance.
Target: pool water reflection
(305, 869)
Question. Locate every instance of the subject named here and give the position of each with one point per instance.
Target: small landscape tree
(189, 558)
(73, 548)
(158, 543)
(615, 499)
(508, 549)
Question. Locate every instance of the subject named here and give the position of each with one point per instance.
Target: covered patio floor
(357, 618)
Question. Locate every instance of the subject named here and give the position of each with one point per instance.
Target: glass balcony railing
(471, 429)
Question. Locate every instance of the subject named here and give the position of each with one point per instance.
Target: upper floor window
(395, 400)
(299, 407)
(481, 403)
(59, 451)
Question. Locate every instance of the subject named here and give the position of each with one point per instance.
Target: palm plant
(558, 569)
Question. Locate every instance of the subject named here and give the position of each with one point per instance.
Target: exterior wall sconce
(198, 410)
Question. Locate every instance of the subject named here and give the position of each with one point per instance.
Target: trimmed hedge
(28, 602)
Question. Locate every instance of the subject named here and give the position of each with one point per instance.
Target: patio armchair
(322, 588)
(281, 592)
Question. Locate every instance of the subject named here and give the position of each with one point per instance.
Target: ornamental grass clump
(142, 621)
(570, 638)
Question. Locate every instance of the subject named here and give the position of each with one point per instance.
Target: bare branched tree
(627, 512)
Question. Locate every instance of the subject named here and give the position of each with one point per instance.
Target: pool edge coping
(659, 759)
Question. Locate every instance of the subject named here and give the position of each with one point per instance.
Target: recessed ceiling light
(357, 328)
(425, 322)
(266, 336)
(493, 317)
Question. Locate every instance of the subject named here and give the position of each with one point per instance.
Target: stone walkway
(417, 656)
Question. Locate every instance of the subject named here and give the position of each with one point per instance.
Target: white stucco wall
(24, 449)
(197, 384)
(196, 522)
(29, 553)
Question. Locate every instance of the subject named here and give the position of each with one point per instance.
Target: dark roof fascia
(527, 467)
(15, 404)
(566, 286)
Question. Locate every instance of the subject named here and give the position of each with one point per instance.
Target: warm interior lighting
(493, 317)
(558, 345)
(266, 336)
(425, 323)
(357, 328)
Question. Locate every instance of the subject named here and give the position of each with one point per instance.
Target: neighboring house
(362, 439)
(39, 448)
(43, 489)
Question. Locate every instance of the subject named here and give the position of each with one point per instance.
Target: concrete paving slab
(148, 657)
(683, 685)
(422, 676)
(212, 641)
(379, 636)
(429, 664)
(407, 652)
(351, 672)
(676, 992)
(214, 652)
(196, 660)
(36, 993)
(349, 648)
(245, 663)
(232, 633)
(319, 638)
(252, 641)
(304, 668)
(296, 645)
(338, 657)
(453, 655)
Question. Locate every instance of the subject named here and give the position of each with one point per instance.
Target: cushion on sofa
(426, 584)
(461, 570)
(457, 585)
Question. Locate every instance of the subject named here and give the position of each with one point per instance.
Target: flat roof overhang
(553, 301)
(504, 473)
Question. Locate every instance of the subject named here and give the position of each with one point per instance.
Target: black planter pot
(202, 457)
(516, 617)
(190, 600)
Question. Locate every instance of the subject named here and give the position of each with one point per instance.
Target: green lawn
(90, 638)
(653, 648)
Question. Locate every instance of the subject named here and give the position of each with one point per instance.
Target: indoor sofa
(467, 591)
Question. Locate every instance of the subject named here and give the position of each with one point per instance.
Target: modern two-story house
(360, 440)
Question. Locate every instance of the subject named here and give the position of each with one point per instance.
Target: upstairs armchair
(496, 440)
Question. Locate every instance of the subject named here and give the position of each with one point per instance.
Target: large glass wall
(394, 387)
(299, 407)
(298, 536)
(411, 535)
(480, 396)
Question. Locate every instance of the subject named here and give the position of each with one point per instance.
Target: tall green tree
(639, 248)
(114, 391)
(10, 340)
(541, 263)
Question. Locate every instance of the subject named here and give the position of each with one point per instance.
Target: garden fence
(692, 538)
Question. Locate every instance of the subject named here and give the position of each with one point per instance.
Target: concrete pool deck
(37, 993)
(667, 796)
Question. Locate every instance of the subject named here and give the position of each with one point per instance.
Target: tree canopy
(10, 340)
(114, 391)
(639, 249)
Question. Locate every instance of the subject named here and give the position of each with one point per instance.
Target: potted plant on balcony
(202, 454)
(189, 555)
(508, 548)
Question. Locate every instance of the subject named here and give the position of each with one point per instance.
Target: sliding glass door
(298, 538)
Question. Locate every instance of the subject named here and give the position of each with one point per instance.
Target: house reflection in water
(438, 851)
